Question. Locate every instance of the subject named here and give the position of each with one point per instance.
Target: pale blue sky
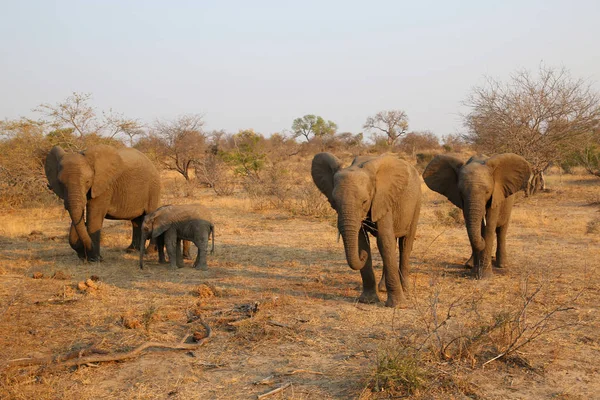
(260, 64)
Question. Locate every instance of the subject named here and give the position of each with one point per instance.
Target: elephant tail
(212, 231)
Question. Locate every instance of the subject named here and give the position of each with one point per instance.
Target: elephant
(102, 182)
(484, 189)
(171, 224)
(376, 195)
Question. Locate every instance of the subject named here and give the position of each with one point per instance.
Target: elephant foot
(483, 273)
(369, 297)
(201, 267)
(470, 263)
(396, 301)
(95, 259)
(381, 287)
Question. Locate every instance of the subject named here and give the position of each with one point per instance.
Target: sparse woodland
(276, 313)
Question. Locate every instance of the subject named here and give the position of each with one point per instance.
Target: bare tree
(394, 123)
(116, 124)
(539, 117)
(75, 118)
(181, 142)
(75, 112)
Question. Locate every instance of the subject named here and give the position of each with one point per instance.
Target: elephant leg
(471, 261)
(501, 246)
(405, 245)
(369, 293)
(200, 262)
(171, 245)
(136, 235)
(178, 255)
(186, 250)
(381, 285)
(386, 242)
(160, 244)
(484, 262)
(94, 227)
(76, 243)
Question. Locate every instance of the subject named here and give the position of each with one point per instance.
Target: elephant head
(368, 188)
(478, 185)
(153, 226)
(77, 177)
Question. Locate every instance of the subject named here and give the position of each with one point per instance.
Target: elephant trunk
(76, 211)
(350, 232)
(474, 213)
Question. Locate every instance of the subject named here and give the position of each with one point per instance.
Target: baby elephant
(172, 223)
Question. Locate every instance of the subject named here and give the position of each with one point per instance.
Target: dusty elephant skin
(483, 188)
(171, 224)
(377, 195)
(102, 182)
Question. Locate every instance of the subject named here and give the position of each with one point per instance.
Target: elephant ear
(107, 165)
(324, 166)
(511, 173)
(159, 227)
(441, 175)
(51, 167)
(391, 178)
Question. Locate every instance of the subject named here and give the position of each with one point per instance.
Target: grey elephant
(102, 182)
(484, 189)
(171, 224)
(376, 195)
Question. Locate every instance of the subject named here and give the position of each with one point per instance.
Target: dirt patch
(282, 304)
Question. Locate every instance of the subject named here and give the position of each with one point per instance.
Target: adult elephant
(102, 182)
(379, 195)
(483, 188)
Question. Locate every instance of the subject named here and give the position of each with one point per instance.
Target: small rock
(37, 275)
(91, 284)
(61, 275)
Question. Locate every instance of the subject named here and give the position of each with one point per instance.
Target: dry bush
(414, 142)
(449, 216)
(422, 160)
(213, 172)
(453, 332)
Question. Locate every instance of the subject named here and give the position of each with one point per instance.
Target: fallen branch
(94, 355)
(274, 391)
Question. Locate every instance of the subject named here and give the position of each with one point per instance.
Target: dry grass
(282, 303)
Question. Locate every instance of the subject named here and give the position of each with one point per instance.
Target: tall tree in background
(181, 142)
(394, 123)
(311, 126)
(541, 118)
(75, 117)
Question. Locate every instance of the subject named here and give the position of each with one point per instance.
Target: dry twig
(274, 391)
(94, 355)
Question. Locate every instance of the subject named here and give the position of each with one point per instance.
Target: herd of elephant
(377, 195)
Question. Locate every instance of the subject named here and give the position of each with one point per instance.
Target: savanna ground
(282, 304)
